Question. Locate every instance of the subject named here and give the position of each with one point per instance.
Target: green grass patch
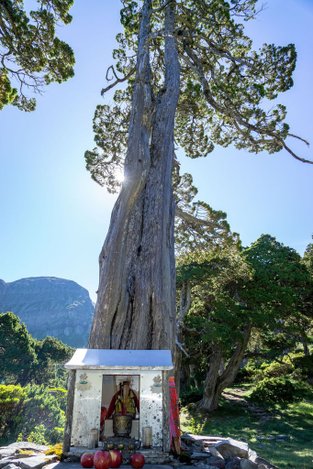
(284, 437)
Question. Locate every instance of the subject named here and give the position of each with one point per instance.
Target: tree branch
(192, 220)
(118, 80)
(180, 346)
(185, 303)
(231, 111)
(155, 10)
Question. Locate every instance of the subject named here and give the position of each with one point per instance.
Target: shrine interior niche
(120, 408)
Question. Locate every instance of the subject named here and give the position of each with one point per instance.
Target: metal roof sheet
(121, 359)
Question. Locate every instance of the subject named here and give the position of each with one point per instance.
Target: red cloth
(102, 417)
(174, 416)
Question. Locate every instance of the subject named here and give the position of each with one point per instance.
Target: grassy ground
(284, 437)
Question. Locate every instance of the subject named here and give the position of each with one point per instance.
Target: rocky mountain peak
(50, 306)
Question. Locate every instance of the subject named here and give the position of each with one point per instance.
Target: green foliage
(57, 448)
(7, 93)
(294, 366)
(37, 435)
(293, 421)
(51, 355)
(225, 85)
(190, 395)
(44, 405)
(279, 273)
(31, 54)
(280, 292)
(308, 258)
(217, 324)
(278, 390)
(275, 369)
(55, 436)
(305, 365)
(17, 350)
(24, 359)
(266, 286)
(43, 436)
(198, 227)
(33, 413)
(11, 399)
(216, 311)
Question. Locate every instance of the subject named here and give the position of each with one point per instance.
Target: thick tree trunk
(136, 298)
(211, 381)
(215, 381)
(184, 306)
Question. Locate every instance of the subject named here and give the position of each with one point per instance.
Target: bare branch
(292, 153)
(192, 220)
(118, 80)
(111, 68)
(299, 138)
(180, 346)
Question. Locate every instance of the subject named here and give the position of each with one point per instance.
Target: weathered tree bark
(215, 382)
(69, 411)
(184, 306)
(135, 308)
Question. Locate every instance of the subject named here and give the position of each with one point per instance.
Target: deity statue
(123, 407)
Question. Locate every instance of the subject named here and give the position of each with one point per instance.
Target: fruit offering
(137, 460)
(102, 460)
(116, 458)
(86, 460)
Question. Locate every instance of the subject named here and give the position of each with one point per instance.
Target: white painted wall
(151, 405)
(87, 405)
(88, 397)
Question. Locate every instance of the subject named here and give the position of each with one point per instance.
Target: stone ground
(76, 465)
(198, 452)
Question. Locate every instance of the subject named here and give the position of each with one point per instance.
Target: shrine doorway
(120, 396)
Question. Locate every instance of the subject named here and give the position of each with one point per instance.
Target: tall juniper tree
(191, 79)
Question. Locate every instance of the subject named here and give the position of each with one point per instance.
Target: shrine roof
(102, 359)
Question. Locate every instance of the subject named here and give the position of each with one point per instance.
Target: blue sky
(54, 217)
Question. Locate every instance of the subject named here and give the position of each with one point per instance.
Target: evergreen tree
(31, 55)
(193, 76)
(51, 356)
(17, 350)
(264, 288)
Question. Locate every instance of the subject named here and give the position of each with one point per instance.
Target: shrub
(56, 449)
(248, 372)
(276, 369)
(43, 410)
(56, 435)
(305, 365)
(11, 399)
(37, 435)
(278, 390)
(33, 413)
(190, 395)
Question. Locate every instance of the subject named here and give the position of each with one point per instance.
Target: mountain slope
(50, 306)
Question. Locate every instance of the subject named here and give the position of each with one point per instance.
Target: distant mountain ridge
(50, 306)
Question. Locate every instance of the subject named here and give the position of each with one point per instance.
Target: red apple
(137, 460)
(116, 458)
(102, 460)
(86, 460)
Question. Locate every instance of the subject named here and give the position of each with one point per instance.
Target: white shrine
(98, 374)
